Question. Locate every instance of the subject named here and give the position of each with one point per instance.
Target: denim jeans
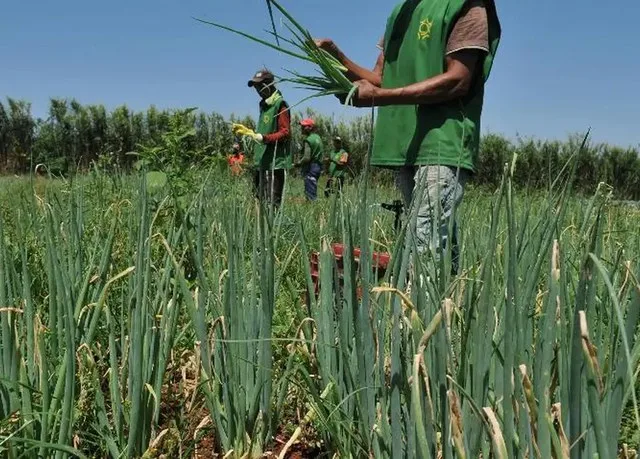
(311, 175)
(433, 194)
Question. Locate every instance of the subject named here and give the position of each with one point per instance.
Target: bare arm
(453, 84)
(354, 71)
(306, 155)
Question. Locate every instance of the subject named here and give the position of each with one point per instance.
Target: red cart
(379, 260)
(379, 264)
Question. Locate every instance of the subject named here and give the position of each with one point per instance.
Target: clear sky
(563, 65)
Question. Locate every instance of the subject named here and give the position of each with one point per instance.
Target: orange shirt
(235, 163)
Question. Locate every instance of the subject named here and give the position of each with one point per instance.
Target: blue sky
(563, 66)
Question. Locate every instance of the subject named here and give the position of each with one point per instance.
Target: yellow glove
(244, 131)
(241, 129)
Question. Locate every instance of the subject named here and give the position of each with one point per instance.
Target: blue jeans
(434, 194)
(311, 175)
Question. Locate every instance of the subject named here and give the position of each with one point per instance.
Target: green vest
(315, 147)
(271, 156)
(336, 170)
(446, 134)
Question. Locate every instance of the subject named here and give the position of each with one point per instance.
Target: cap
(307, 123)
(337, 138)
(261, 76)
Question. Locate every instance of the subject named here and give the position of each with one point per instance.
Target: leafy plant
(171, 160)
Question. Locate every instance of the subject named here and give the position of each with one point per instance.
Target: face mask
(275, 97)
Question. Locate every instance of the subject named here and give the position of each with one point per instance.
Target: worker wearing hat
(311, 162)
(338, 161)
(272, 139)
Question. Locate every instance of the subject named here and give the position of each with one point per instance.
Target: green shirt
(269, 156)
(337, 170)
(445, 134)
(313, 149)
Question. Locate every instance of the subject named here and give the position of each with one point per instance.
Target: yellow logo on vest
(266, 119)
(424, 32)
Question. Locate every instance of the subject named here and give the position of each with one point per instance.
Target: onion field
(137, 321)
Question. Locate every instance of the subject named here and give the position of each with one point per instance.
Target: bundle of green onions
(330, 80)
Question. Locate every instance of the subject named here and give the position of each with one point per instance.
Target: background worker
(311, 162)
(338, 161)
(236, 160)
(272, 148)
(435, 58)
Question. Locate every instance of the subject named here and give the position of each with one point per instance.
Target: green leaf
(156, 181)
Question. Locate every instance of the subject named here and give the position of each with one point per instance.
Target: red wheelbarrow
(379, 265)
(379, 260)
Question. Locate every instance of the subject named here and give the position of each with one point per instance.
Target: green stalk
(510, 317)
(630, 374)
(623, 380)
(544, 353)
(29, 316)
(273, 23)
(594, 387)
(328, 66)
(140, 280)
(256, 39)
(480, 336)
(46, 394)
(420, 412)
(585, 299)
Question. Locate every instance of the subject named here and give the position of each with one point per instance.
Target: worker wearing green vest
(272, 139)
(311, 162)
(338, 160)
(435, 58)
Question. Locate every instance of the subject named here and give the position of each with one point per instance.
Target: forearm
(453, 84)
(355, 72)
(306, 156)
(440, 89)
(279, 136)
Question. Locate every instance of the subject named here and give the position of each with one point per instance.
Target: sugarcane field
(432, 253)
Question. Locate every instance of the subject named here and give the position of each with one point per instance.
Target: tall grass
(131, 325)
(527, 353)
